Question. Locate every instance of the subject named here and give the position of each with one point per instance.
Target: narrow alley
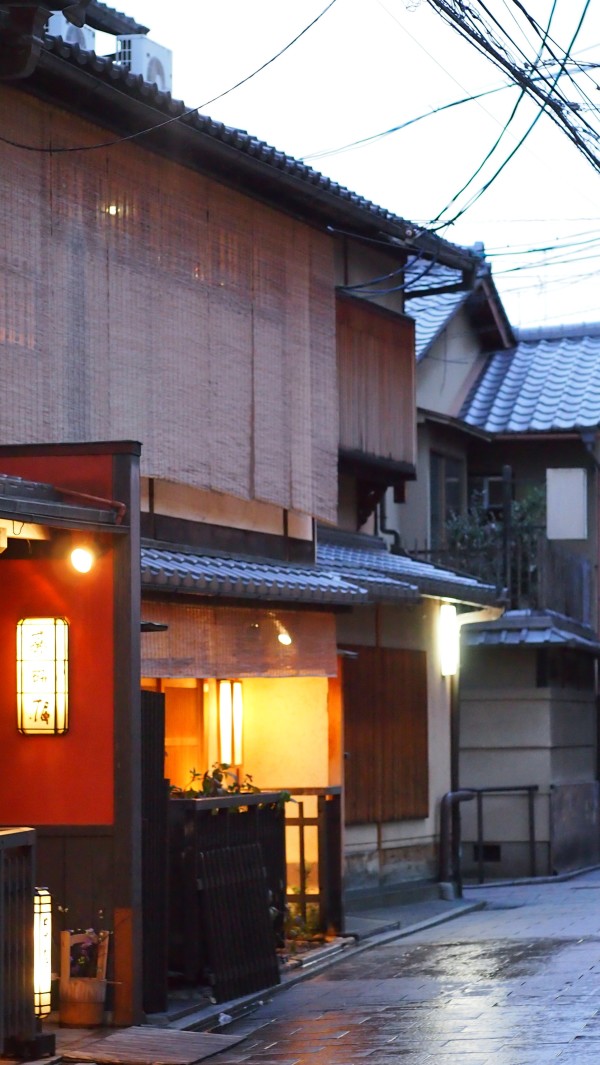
(515, 983)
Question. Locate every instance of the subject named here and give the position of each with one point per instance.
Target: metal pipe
(450, 840)
(531, 805)
(480, 837)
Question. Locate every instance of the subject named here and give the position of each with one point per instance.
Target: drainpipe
(397, 546)
(506, 532)
(588, 439)
(450, 872)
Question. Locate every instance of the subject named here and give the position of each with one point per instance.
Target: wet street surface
(513, 984)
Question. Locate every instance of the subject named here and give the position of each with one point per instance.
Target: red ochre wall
(60, 780)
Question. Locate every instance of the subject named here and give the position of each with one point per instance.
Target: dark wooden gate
(227, 891)
(155, 855)
(239, 944)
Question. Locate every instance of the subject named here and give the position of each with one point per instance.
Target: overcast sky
(368, 65)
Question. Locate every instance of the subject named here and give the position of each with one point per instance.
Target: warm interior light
(237, 722)
(231, 721)
(42, 951)
(42, 676)
(449, 637)
(112, 209)
(82, 559)
(225, 721)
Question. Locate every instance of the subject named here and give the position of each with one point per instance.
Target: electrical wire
(506, 125)
(555, 108)
(364, 287)
(403, 125)
(175, 118)
(546, 102)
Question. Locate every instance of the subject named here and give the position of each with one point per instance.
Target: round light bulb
(82, 559)
(284, 638)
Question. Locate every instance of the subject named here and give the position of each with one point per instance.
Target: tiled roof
(315, 187)
(166, 569)
(351, 569)
(360, 557)
(432, 314)
(102, 17)
(34, 501)
(549, 381)
(533, 629)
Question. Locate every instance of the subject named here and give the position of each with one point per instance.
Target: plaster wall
(357, 265)
(411, 518)
(286, 731)
(70, 777)
(444, 375)
(496, 668)
(286, 725)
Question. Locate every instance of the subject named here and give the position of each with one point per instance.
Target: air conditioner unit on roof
(81, 35)
(151, 60)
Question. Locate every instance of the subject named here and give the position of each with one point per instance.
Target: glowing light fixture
(282, 633)
(231, 721)
(82, 559)
(42, 951)
(449, 639)
(42, 676)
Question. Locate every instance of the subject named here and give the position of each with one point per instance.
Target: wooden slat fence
(17, 862)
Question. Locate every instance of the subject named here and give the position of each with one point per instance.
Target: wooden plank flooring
(150, 1046)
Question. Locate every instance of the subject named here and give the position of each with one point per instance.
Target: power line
(455, 13)
(546, 103)
(404, 125)
(176, 118)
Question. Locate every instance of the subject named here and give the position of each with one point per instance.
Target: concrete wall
(513, 734)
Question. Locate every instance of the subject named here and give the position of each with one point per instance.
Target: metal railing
(532, 571)
(530, 791)
(17, 863)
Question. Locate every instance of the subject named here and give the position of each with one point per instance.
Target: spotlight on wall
(449, 640)
(82, 558)
(282, 633)
(231, 722)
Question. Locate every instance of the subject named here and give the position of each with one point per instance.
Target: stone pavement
(512, 984)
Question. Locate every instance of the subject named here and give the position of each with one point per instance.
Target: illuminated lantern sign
(42, 951)
(231, 721)
(42, 676)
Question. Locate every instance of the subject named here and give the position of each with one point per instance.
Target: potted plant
(83, 959)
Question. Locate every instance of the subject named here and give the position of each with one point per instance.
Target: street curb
(209, 1019)
(559, 878)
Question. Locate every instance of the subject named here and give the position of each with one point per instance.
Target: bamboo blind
(218, 641)
(142, 300)
(376, 374)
